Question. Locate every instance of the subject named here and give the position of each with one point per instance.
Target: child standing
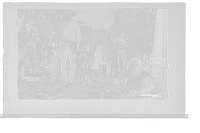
(136, 81)
(83, 57)
(32, 57)
(53, 65)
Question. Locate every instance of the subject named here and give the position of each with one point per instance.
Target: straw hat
(52, 48)
(63, 11)
(83, 53)
(20, 16)
(42, 14)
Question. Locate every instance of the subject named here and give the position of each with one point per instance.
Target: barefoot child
(53, 65)
(136, 81)
(83, 67)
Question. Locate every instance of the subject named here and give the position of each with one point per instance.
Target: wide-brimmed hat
(83, 53)
(42, 14)
(52, 48)
(29, 21)
(20, 16)
(67, 13)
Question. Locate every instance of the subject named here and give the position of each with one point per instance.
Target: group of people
(130, 68)
(34, 39)
(67, 44)
(41, 44)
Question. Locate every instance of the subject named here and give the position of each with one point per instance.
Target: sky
(95, 17)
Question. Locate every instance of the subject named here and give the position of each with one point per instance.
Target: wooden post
(158, 60)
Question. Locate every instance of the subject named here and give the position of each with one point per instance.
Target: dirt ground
(74, 90)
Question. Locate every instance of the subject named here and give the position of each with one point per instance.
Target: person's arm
(34, 29)
(124, 83)
(147, 84)
(48, 31)
(125, 79)
(53, 62)
(86, 67)
(124, 46)
(90, 38)
(78, 34)
(57, 36)
(126, 42)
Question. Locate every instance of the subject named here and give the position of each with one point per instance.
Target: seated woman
(139, 81)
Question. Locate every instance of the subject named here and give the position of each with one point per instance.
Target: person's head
(29, 29)
(53, 52)
(103, 33)
(20, 19)
(41, 18)
(95, 32)
(135, 66)
(67, 14)
(29, 26)
(66, 17)
(83, 57)
(120, 29)
(19, 22)
(30, 47)
(123, 38)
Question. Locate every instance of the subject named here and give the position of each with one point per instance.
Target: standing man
(68, 37)
(43, 35)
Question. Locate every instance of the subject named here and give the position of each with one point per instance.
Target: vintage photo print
(120, 53)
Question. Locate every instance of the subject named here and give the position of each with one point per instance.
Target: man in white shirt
(68, 37)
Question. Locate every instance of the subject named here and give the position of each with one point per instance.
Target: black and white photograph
(105, 53)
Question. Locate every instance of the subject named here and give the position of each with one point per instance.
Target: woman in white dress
(119, 63)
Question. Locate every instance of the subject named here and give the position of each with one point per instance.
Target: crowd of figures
(74, 60)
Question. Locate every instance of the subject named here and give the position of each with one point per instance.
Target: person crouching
(53, 65)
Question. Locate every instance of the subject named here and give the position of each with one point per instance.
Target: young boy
(53, 65)
(83, 67)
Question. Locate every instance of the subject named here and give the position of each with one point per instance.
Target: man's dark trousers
(64, 52)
